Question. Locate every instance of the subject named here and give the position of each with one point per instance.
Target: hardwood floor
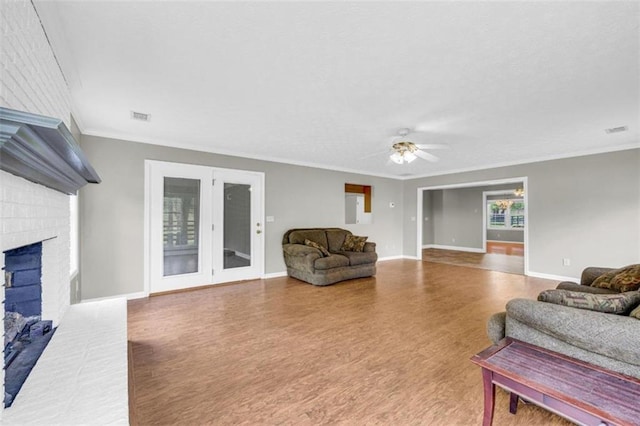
(503, 247)
(500, 256)
(393, 349)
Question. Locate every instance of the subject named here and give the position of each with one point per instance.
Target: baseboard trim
(456, 248)
(128, 296)
(552, 277)
(274, 275)
(384, 259)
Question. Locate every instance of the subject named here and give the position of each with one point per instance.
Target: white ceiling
(329, 83)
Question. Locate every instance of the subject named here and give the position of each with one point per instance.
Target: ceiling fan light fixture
(409, 156)
(396, 157)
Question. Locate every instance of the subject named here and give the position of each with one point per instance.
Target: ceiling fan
(405, 151)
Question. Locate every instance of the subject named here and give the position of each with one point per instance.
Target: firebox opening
(25, 333)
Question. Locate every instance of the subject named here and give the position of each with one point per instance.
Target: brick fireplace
(31, 213)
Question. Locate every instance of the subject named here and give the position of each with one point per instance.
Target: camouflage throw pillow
(313, 244)
(353, 243)
(607, 303)
(623, 279)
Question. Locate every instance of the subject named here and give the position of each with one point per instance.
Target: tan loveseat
(309, 264)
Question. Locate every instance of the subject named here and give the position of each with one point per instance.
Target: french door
(204, 225)
(237, 226)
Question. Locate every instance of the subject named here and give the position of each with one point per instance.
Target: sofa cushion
(313, 244)
(353, 243)
(336, 237)
(618, 303)
(331, 261)
(623, 279)
(317, 235)
(360, 258)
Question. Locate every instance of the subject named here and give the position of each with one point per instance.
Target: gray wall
(505, 235)
(427, 217)
(459, 222)
(583, 208)
(112, 213)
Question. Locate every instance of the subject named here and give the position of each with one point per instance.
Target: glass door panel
(237, 225)
(238, 243)
(180, 225)
(179, 215)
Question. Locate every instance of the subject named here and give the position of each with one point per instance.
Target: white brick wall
(31, 80)
(30, 213)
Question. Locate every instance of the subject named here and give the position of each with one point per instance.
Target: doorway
(452, 226)
(203, 225)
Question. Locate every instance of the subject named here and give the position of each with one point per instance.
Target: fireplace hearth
(25, 333)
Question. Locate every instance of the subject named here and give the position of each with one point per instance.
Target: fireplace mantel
(41, 149)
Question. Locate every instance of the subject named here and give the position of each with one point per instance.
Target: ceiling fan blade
(432, 146)
(375, 153)
(426, 156)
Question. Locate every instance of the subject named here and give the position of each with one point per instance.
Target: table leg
(489, 396)
(513, 402)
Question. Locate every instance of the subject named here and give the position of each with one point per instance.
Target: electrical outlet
(566, 262)
(453, 240)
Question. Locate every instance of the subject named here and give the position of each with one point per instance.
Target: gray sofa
(608, 340)
(310, 265)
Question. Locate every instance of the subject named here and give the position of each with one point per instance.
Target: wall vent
(617, 129)
(140, 116)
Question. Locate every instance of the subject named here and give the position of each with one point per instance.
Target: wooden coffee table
(573, 389)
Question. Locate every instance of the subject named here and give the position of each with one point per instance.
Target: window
(73, 234)
(505, 214)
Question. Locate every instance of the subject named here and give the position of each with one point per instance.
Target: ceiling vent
(616, 129)
(140, 116)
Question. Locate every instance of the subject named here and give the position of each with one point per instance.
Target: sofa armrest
(369, 246)
(496, 327)
(614, 336)
(301, 257)
(566, 285)
(590, 274)
(300, 250)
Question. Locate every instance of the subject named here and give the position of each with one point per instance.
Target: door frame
(420, 214)
(147, 216)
